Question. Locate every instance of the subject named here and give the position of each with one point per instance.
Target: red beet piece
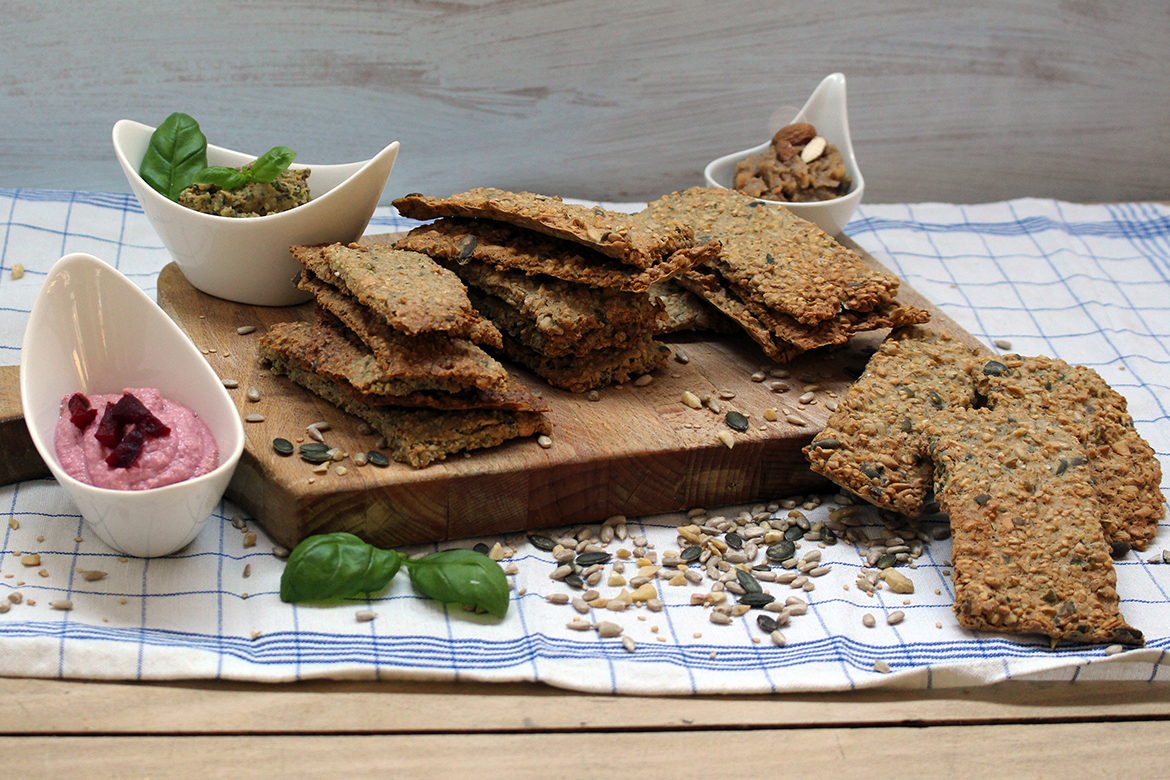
(81, 412)
(109, 430)
(126, 453)
(129, 410)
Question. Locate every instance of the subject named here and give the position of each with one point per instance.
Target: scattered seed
(868, 620)
(250, 539)
(593, 395)
(608, 629)
(881, 667)
(628, 644)
(282, 446)
(365, 615)
(643, 380)
(254, 417)
(728, 439)
(64, 605)
(896, 617)
(244, 330)
(542, 542)
(736, 421)
(691, 400)
(32, 559)
(1002, 344)
(796, 420)
(93, 575)
(378, 459)
(17, 270)
(13, 523)
(544, 441)
(720, 618)
(579, 624)
(778, 638)
(231, 384)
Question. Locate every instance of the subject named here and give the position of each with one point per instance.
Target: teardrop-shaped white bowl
(93, 330)
(826, 111)
(246, 260)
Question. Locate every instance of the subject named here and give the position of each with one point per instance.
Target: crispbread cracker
(633, 240)
(783, 262)
(419, 437)
(874, 444)
(408, 290)
(1028, 549)
(457, 364)
(579, 374)
(567, 318)
(1126, 472)
(505, 246)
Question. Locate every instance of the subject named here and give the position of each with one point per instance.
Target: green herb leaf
(177, 151)
(271, 164)
(461, 577)
(224, 178)
(337, 565)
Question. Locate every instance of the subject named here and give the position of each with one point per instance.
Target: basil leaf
(461, 577)
(224, 178)
(337, 565)
(177, 151)
(271, 164)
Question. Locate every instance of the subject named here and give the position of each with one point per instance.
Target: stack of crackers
(1037, 462)
(580, 293)
(397, 343)
(784, 281)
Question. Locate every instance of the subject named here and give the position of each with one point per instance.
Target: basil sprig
(340, 565)
(461, 577)
(177, 151)
(264, 170)
(337, 565)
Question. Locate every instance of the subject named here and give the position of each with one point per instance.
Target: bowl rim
(48, 451)
(123, 126)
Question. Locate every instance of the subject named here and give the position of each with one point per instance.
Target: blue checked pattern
(1089, 284)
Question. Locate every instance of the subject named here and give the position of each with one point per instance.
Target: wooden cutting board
(633, 451)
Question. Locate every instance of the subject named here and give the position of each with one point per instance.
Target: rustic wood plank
(1056, 750)
(607, 101)
(395, 707)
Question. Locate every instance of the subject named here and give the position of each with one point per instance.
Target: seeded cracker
(299, 348)
(505, 246)
(557, 317)
(428, 362)
(411, 292)
(634, 240)
(874, 444)
(579, 374)
(1029, 553)
(1126, 472)
(782, 261)
(685, 310)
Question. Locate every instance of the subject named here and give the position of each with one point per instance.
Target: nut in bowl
(93, 331)
(247, 260)
(826, 111)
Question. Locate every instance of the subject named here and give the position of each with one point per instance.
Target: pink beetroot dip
(187, 451)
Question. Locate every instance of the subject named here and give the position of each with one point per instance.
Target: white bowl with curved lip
(246, 260)
(826, 111)
(93, 330)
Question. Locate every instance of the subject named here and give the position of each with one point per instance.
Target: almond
(794, 135)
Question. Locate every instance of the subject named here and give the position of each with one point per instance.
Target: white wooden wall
(954, 101)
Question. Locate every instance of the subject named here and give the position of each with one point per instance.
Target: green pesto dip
(255, 199)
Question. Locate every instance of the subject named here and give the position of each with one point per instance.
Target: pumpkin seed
(887, 561)
(793, 532)
(780, 551)
(375, 458)
(590, 558)
(736, 421)
(282, 446)
(482, 548)
(316, 456)
(313, 446)
(749, 583)
(574, 581)
(828, 535)
(756, 599)
(766, 624)
(542, 542)
(734, 540)
(691, 554)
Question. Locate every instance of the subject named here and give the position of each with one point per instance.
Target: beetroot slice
(81, 412)
(109, 430)
(126, 453)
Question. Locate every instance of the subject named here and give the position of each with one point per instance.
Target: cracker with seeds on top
(504, 246)
(1028, 549)
(634, 240)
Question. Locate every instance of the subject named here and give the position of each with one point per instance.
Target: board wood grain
(633, 451)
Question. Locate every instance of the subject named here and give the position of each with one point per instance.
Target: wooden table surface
(95, 730)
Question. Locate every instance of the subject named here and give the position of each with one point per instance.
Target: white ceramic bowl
(92, 330)
(826, 111)
(246, 260)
